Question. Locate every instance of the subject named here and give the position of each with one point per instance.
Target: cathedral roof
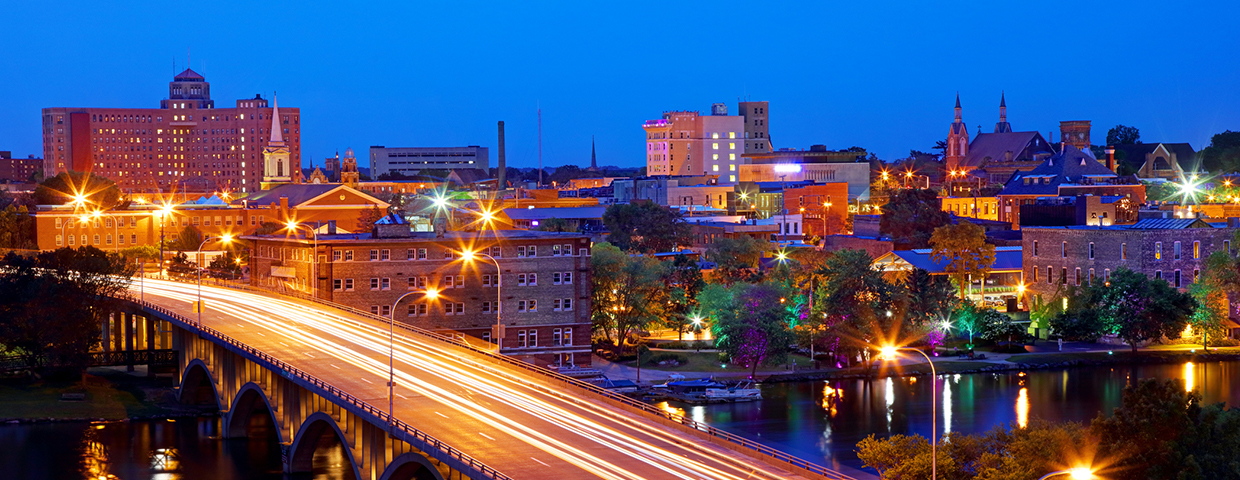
(994, 146)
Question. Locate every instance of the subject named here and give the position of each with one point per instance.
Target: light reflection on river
(823, 421)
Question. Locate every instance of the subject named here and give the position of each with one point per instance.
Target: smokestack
(1111, 158)
(503, 166)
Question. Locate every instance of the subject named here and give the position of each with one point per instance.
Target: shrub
(669, 358)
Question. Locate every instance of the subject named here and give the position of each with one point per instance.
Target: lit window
(732, 135)
(715, 145)
(731, 156)
(715, 135)
(714, 168)
(732, 167)
(731, 146)
(731, 178)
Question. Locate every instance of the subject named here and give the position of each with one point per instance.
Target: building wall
(687, 143)
(152, 149)
(1139, 247)
(410, 160)
(118, 230)
(757, 131)
(723, 146)
(19, 169)
(277, 255)
(856, 175)
(984, 208)
(819, 220)
(715, 196)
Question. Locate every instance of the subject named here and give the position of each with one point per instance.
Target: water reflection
(823, 422)
(1189, 376)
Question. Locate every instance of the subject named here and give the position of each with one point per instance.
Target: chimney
(331, 227)
(503, 166)
(1111, 158)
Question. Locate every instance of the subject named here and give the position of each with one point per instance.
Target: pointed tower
(1003, 126)
(593, 157)
(277, 167)
(957, 142)
(349, 174)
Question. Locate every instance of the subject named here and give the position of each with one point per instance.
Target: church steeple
(277, 133)
(593, 157)
(957, 141)
(277, 165)
(957, 106)
(1003, 126)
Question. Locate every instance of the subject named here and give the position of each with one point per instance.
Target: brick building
(688, 143)
(185, 144)
(823, 207)
(1070, 172)
(1174, 250)
(19, 170)
(545, 306)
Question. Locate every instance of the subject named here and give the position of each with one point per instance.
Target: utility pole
(540, 168)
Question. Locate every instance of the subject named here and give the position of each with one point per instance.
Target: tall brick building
(185, 144)
(1174, 250)
(545, 281)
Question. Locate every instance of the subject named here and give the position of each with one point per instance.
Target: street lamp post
(224, 240)
(430, 294)
(314, 257)
(1078, 473)
(889, 353)
(467, 255)
(162, 213)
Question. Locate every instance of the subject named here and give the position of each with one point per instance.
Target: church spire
(277, 133)
(1003, 126)
(593, 158)
(957, 106)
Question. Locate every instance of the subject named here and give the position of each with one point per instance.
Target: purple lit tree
(755, 328)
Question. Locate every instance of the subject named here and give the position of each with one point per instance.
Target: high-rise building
(757, 132)
(411, 160)
(688, 143)
(18, 169)
(185, 144)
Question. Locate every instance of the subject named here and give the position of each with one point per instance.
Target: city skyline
(599, 78)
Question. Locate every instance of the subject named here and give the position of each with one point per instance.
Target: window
(520, 252)
(1123, 251)
(520, 279)
(1063, 276)
(96, 239)
(533, 278)
(1157, 274)
(486, 337)
(555, 278)
(460, 281)
(1035, 274)
(555, 250)
(533, 338)
(336, 255)
(1106, 276)
(533, 251)
(417, 310)
(521, 306)
(1091, 250)
(1176, 247)
(348, 255)
(449, 281)
(450, 308)
(1157, 250)
(385, 255)
(1177, 277)
(1091, 277)
(487, 280)
(567, 337)
(568, 278)
(336, 285)
(374, 283)
(1196, 249)
(59, 240)
(520, 338)
(385, 283)
(71, 237)
(1196, 275)
(495, 252)
(555, 305)
(385, 310)
(1035, 248)
(1227, 246)
(1063, 250)
(449, 254)
(1050, 275)
(555, 337)
(374, 309)
(374, 255)
(348, 284)
(568, 304)
(1077, 276)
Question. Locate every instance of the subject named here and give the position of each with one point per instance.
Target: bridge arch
(249, 407)
(320, 432)
(198, 386)
(411, 466)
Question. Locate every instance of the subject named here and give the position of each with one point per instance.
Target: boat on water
(708, 390)
(744, 391)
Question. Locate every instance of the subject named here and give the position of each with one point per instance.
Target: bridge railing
(291, 371)
(713, 432)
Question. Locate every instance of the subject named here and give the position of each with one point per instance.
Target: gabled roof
(996, 145)
(567, 213)
(301, 194)
(468, 176)
(1007, 259)
(189, 75)
(1068, 166)
(1134, 154)
(391, 219)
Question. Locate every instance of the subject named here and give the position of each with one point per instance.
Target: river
(823, 421)
(818, 421)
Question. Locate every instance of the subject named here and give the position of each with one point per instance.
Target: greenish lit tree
(1138, 309)
(755, 329)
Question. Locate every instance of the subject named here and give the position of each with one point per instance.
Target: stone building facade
(545, 284)
(1175, 250)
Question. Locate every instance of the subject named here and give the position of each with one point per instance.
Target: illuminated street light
(469, 255)
(224, 240)
(430, 294)
(292, 226)
(1078, 473)
(888, 353)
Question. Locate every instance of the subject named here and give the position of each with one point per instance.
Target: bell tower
(957, 141)
(277, 168)
(348, 169)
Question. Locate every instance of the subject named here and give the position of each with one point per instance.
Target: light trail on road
(522, 416)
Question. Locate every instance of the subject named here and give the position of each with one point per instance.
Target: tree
(1082, 324)
(928, 303)
(98, 192)
(645, 227)
(1223, 153)
(857, 305)
(683, 283)
(229, 264)
(755, 329)
(17, 228)
(1142, 432)
(628, 292)
(911, 215)
(736, 259)
(1137, 309)
(54, 302)
(998, 326)
(187, 241)
(368, 217)
(963, 246)
(555, 225)
(1123, 135)
(1013, 453)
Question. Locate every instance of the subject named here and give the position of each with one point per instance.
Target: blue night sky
(881, 75)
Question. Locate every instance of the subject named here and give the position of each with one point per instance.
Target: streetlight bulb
(432, 293)
(1080, 473)
(697, 321)
(226, 238)
(887, 353)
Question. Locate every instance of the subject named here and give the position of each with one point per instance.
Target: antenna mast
(540, 169)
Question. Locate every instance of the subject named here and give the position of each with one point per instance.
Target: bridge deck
(517, 422)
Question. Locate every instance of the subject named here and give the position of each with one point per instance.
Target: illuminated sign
(788, 168)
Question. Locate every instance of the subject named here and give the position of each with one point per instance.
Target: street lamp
(889, 353)
(162, 213)
(292, 226)
(470, 255)
(430, 294)
(1078, 473)
(225, 239)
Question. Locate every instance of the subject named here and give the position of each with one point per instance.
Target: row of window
(60, 239)
(1123, 250)
(385, 254)
(458, 308)
(1175, 280)
(449, 281)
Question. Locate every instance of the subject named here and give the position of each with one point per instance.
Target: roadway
(510, 419)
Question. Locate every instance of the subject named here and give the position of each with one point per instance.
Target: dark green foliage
(645, 227)
(55, 302)
(910, 217)
(1223, 154)
(101, 193)
(999, 326)
(1123, 135)
(736, 259)
(756, 328)
(1081, 325)
(555, 225)
(1137, 309)
(187, 241)
(683, 281)
(17, 228)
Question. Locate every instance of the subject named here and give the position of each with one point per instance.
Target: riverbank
(102, 394)
(914, 365)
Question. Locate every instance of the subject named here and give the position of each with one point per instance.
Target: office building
(688, 143)
(185, 145)
(409, 161)
(19, 170)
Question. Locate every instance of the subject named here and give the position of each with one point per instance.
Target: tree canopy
(1223, 153)
(98, 192)
(1138, 309)
(756, 327)
(1123, 135)
(911, 215)
(628, 292)
(645, 227)
(963, 247)
(736, 259)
